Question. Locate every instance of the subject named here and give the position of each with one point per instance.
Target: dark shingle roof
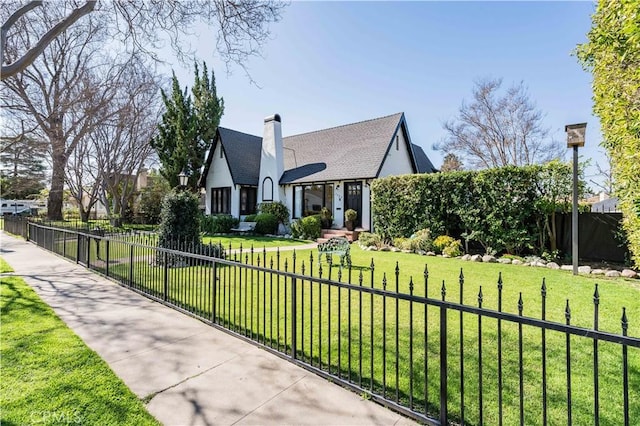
(352, 151)
(242, 152)
(422, 161)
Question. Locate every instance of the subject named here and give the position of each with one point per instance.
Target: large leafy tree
(612, 54)
(188, 127)
(499, 128)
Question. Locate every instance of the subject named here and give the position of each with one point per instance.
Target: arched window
(267, 189)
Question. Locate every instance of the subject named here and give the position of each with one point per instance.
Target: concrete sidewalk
(190, 373)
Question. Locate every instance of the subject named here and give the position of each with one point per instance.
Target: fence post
(107, 257)
(89, 252)
(294, 314)
(165, 288)
(443, 365)
(78, 248)
(214, 287)
(130, 265)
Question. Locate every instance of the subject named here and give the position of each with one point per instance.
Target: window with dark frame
(309, 199)
(221, 200)
(248, 200)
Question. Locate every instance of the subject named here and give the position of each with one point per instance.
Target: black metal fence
(397, 341)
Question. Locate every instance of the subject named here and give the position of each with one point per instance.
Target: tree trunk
(84, 214)
(54, 203)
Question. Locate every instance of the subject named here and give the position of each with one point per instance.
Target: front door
(353, 199)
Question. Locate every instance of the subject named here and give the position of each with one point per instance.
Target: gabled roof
(242, 152)
(352, 151)
(348, 152)
(422, 161)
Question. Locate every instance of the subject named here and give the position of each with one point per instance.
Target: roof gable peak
(398, 114)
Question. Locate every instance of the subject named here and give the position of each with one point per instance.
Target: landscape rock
(430, 253)
(465, 257)
(504, 261)
(385, 248)
(476, 258)
(566, 267)
(445, 255)
(526, 264)
(613, 274)
(585, 269)
(421, 252)
(517, 262)
(539, 264)
(628, 273)
(487, 258)
(553, 265)
(598, 272)
(397, 250)
(404, 251)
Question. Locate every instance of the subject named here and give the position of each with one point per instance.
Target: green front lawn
(49, 376)
(256, 241)
(330, 327)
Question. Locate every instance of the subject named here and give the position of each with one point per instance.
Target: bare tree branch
(27, 59)
(497, 130)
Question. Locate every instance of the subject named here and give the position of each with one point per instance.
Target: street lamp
(183, 177)
(575, 139)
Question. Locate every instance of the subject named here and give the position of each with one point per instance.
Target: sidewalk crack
(271, 399)
(148, 398)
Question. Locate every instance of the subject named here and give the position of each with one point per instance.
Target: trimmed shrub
(277, 209)
(250, 218)
(266, 223)
(180, 219)
(218, 224)
(368, 239)
(454, 249)
(308, 228)
(442, 242)
(421, 240)
(402, 243)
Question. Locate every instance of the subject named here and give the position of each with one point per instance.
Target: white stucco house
(330, 168)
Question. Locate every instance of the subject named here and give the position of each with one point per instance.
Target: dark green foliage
(266, 223)
(188, 128)
(22, 173)
(504, 209)
(612, 55)
(250, 218)
(151, 196)
(180, 220)
(278, 209)
(218, 224)
(308, 228)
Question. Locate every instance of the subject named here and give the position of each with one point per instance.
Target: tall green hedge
(504, 209)
(612, 54)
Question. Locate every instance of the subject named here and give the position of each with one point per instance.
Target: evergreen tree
(188, 128)
(22, 173)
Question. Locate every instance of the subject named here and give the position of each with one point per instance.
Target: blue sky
(333, 63)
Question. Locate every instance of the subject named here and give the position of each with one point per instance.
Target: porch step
(352, 236)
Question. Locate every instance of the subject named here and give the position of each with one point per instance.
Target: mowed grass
(49, 376)
(332, 331)
(248, 241)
